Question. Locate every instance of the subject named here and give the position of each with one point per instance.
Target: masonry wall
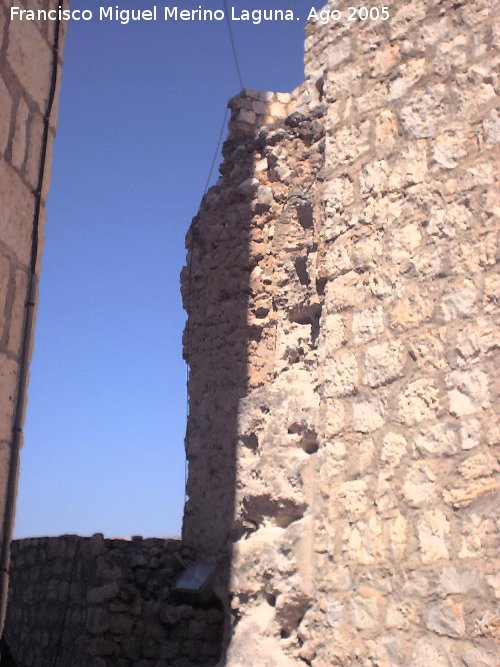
(342, 291)
(97, 602)
(26, 70)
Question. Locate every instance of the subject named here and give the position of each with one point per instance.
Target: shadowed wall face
(343, 390)
(89, 601)
(27, 68)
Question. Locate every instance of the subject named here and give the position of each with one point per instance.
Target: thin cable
(216, 153)
(233, 46)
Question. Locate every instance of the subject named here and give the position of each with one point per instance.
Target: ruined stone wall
(342, 289)
(97, 602)
(27, 65)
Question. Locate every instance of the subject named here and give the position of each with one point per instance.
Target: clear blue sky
(139, 115)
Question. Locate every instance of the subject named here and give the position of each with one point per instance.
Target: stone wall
(97, 602)
(27, 67)
(342, 291)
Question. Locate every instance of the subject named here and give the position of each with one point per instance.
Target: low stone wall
(98, 602)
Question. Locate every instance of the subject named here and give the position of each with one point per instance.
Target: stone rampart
(95, 602)
(30, 67)
(342, 289)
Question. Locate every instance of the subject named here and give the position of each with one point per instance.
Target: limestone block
(408, 74)
(360, 457)
(348, 144)
(438, 439)
(384, 60)
(491, 128)
(428, 350)
(461, 581)
(34, 150)
(333, 332)
(448, 148)
(19, 142)
(339, 51)
(472, 98)
(337, 260)
(394, 449)
(446, 618)
(419, 487)
(367, 251)
(364, 542)
(341, 375)
(479, 657)
(403, 19)
(364, 612)
(449, 220)
(386, 132)
(374, 178)
(428, 653)
(368, 416)
(367, 324)
(383, 363)
(470, 433)
(424, 114)
(482, 464)
(353, 497)
(433, 529)
(398, 535)
(410, 167)
(418, 401)
(16, 214)
(30, 57)
(468, 391)
(404, 242)
(460, 301)
(333, 415)
(374, 98)
(412, 309)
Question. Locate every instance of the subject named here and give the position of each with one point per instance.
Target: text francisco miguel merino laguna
(172, 13)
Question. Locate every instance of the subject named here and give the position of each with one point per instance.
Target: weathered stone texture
(26, 68)
(342, 292)
(94, 601)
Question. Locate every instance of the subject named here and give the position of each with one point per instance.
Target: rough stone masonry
(342, 294)
(29, 66)
(342, 291)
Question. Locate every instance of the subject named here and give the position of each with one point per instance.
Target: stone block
(384, 363)
(433, 529)
(19, 141)
(419, 401)
(368, 416)
(30, 57)
(367, 324)
(341, 375)
(468, 391)
(446, 618)
(16, 214)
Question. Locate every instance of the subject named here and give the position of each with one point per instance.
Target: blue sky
(139, 114)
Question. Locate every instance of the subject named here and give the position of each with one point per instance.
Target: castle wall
(95, 602)
(27, 67)
(342, 291)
